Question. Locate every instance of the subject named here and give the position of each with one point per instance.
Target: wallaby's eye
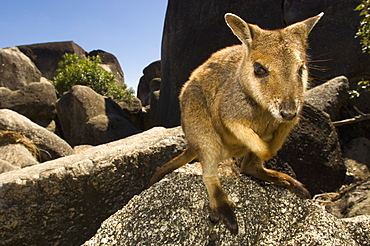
(259, 70)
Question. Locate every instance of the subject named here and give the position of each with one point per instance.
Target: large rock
(195, 29)
(50, 145)
(47, 55)
(176, 212)
(357, 158)
(16, 69)
(330, 96)
(111, 64)
(87, 117)
(16, 155)
(7, 166)
(135, 111)
(63, 202)
(36, 100)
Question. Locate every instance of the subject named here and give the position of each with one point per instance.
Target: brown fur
(243, 101)
(12, 137)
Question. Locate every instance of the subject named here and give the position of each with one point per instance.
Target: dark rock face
(152, 71)
(195, 29)
(16, 69)
(47, 55)
(333, 48)
(313, 151)
(89, 118)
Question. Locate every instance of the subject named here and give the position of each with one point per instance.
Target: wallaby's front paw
(225, 213)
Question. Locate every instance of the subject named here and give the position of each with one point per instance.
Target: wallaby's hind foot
(288, 182)
(252, 165)
(182, 159)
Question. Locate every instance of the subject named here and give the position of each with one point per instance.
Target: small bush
(364, 29)
(364, 34)
(86, 71)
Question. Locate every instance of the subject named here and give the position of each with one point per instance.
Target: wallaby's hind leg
(182, 159)
(221, 207)
(253, 166)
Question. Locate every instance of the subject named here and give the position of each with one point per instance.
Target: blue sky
(131, 30)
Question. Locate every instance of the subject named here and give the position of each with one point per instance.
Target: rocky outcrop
(89, 118)
(95, 183)
(101, 120)
(266, 214)
(85, 188)
(189, 39)
(16, 69)
(50, 145)
(63, 202)
(35, 100)
(47, 55)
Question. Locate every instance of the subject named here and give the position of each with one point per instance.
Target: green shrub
(364, 29)
(364, 34)
(87, 71)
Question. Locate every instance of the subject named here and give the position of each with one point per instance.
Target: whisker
(325, 60)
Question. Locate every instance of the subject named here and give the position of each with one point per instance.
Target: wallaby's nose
(286, 115)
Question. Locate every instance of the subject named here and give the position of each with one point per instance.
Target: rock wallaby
(243, 102)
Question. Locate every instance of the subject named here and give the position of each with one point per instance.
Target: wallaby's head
(274, 70)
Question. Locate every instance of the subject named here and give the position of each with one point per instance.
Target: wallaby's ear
(240, 28)
(305, 27)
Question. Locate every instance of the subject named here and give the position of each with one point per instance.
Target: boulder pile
(74, 170)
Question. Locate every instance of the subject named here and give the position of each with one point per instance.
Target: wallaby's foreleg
(221, 207)
(253, 166)
(250, 138)
(182, 159)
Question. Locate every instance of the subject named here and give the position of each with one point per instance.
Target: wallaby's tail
(182, 159)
